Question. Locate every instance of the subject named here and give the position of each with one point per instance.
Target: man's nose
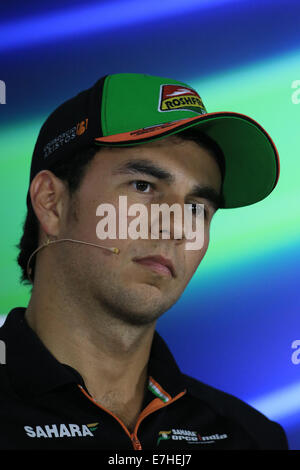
(167, 222)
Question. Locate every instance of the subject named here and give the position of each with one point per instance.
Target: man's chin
(136, 303)
(140, 310)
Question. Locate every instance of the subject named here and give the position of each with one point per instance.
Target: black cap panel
(69, 128)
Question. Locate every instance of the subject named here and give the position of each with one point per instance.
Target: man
(85, 367)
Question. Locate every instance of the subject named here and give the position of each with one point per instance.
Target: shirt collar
(33, 370)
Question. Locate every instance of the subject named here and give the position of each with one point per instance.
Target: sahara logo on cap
(180, 98)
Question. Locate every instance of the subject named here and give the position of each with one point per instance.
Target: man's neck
(112, 357)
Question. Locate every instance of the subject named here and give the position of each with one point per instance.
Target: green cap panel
(129, 102)
(251, 168)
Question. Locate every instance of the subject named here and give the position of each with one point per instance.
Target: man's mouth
(158, 264)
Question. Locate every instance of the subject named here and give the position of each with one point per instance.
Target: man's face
(127, 289)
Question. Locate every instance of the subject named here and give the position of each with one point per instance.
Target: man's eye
(142, 186)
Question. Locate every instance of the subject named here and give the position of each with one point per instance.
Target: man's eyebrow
(144, 166)
(207, 192)
(130, 167)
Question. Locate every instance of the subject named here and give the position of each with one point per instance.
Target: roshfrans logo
(180, 98)
(61, 430)
(191, 437)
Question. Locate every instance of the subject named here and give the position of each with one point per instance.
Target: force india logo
(180, 98)
(191, 437)
(61, 430)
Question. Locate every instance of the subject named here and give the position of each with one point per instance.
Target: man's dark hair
(72, 173)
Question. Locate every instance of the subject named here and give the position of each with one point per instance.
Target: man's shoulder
(268, 433)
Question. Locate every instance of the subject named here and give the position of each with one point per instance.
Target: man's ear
(47, 193)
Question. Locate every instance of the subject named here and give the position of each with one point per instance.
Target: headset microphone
(48, 242)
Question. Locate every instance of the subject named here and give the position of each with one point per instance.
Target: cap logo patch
(81, 127)
(65, 137)
(180, 98)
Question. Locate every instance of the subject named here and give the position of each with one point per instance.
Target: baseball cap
(127, 109)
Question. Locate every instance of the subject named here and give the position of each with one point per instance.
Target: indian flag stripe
(153, 388)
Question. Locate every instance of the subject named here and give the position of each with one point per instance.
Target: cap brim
(251, 158)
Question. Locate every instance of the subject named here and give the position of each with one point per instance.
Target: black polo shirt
(44, 404)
